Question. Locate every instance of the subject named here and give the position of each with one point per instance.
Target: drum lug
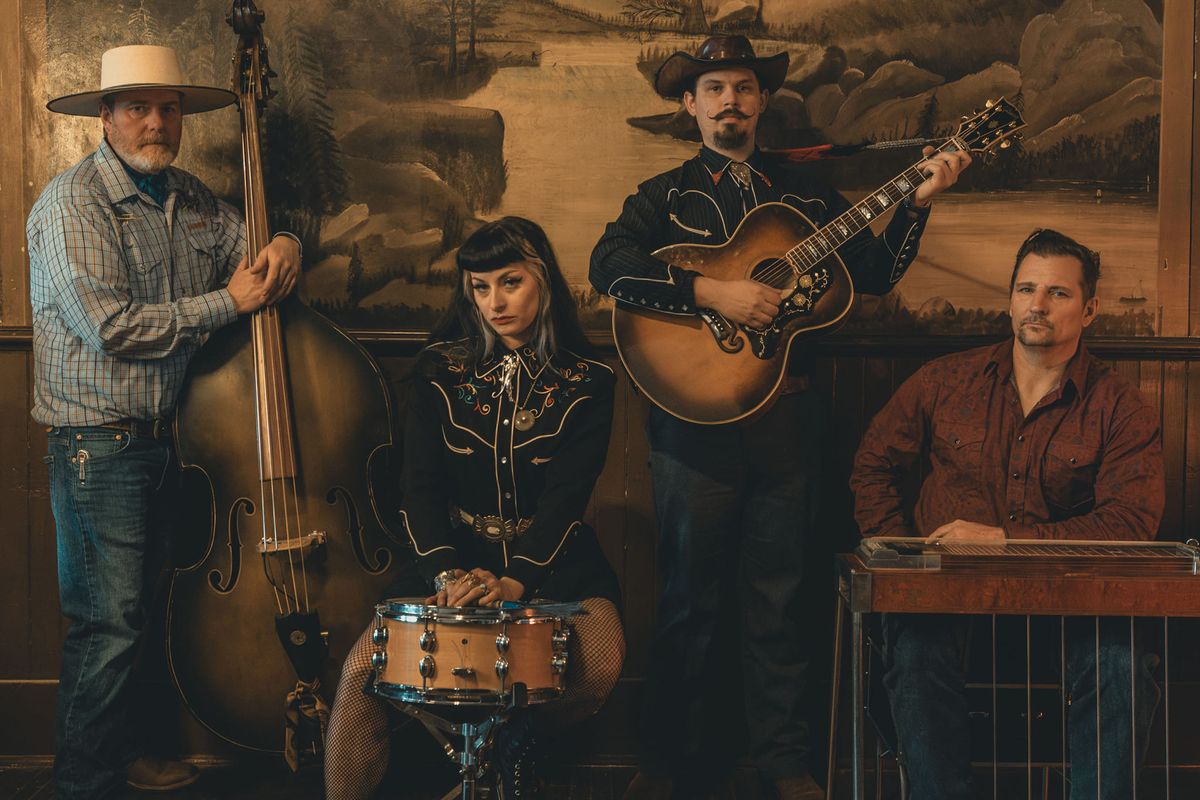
(501, 668)
(379, 636)
(427, 667)
(379, 659)
(559, 639)
(502, 642)
(428, 641)
(559, 663)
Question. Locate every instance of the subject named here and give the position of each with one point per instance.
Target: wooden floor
(31, 779)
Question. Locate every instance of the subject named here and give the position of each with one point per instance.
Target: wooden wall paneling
(13, 275)
(1129, 369)
(638, 564)
(1191, 475)
(1174, 439)
(1177, 212)
(15, 568)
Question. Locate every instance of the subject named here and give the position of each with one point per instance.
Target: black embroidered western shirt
(512, 439)
(700, 202)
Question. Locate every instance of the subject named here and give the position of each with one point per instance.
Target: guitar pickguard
(809, 288)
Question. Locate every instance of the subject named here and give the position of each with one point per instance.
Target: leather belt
(142, 428)
(491, 527)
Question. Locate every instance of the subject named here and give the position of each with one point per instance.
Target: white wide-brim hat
(142, 66)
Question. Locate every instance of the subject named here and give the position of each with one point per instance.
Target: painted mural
(400, 125)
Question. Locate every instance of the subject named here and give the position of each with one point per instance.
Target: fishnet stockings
(357, 747)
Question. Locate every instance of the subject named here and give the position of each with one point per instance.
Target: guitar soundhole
(773, 272)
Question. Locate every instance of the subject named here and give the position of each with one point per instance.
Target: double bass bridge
(304, 544)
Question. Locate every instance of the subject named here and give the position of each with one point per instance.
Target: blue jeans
(108, 527)
(924, 676)
(734, 505)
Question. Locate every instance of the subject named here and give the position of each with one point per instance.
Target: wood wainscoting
(856, 376)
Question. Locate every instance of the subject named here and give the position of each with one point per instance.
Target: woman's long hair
(497, 245)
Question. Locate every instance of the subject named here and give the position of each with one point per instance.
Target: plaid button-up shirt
(124, 290)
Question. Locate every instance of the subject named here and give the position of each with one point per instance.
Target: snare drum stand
(477, 739)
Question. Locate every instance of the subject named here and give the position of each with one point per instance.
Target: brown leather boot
(804, 788)
(648, 787)
(160, 775)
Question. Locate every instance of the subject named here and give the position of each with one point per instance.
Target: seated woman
(507, 430)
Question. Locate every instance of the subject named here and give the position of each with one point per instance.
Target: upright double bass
(285, 415)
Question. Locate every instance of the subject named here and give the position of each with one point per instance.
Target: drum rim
(404, 610)
(409, 693)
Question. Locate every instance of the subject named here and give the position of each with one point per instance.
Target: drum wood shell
(464, 654)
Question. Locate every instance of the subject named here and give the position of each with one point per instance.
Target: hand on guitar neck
(742, 302)
(943, 170)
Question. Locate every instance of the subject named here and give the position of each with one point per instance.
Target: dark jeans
(734, 504)
(106, 520)
(923, 656)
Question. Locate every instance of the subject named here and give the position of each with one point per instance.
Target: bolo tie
(742, 176)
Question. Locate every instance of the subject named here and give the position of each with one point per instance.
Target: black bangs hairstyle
(496, 245)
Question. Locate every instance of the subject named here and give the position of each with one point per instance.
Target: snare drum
(468, 655)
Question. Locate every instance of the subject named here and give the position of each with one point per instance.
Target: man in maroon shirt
(1030, 438)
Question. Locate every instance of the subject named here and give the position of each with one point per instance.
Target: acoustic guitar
(707, 370)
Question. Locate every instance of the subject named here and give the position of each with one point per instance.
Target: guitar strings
(784, 267)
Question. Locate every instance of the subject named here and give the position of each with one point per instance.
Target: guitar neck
(828, 239)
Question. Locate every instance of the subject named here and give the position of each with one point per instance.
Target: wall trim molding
(401, 343)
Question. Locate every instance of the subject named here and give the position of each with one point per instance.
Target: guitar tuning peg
(989, 104)
(965, 117)
(976, 111)
(1005, 144)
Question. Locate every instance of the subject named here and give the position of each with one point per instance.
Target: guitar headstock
(993, 126)
(251, 70)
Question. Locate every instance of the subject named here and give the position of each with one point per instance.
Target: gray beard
(149, 162)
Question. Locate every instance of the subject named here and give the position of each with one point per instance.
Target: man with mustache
(1032, 438)
(735, 502)
(132, 264)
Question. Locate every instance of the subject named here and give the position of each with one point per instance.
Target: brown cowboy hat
(718, 52)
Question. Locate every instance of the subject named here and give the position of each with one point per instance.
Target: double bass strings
(276, 456)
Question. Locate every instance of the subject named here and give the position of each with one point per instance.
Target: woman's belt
(490, 526)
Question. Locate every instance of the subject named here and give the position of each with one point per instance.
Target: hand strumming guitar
(743, 302)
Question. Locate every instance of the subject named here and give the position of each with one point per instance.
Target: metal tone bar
(1099, 771)
(1133, 761)
(1028, 712)
(839, 624)
(995, 731)
(856, 678)
(1167, 703)
(1062, 672)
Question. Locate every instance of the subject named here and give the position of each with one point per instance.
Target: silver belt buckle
(493, 528)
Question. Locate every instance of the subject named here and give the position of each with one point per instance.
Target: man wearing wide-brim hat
(735, 502)
(132, 264)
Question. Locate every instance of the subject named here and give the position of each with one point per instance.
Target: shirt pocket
(140, 247)
(1069, 479)
(959, 449)
(199, 256)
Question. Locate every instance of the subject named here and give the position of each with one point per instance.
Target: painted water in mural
(388, 143)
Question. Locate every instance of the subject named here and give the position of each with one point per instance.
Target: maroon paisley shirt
(1085, 464)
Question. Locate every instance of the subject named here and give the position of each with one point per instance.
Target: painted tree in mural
(480, 14)
(687, 15)
(305, 174)
(448, 11)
